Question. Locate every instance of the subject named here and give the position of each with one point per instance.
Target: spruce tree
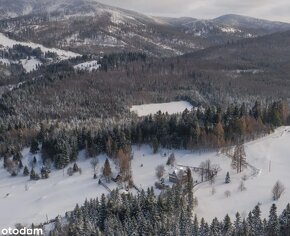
(195, 226)
(215, 228)
(25, 171)
(34, 146)
(284, 221)
(257, 222)
(227, 225)
(238, 224)
(228, 178)
(107, 172)
(155, 145)
(273, 227)
(20, 165)
(75, 167)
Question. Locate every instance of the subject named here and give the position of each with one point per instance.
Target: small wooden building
(178, 178)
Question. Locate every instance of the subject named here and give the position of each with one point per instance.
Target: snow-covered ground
(62, 54)
(170, 108)
(23, 200)
(89, 66)
(5, 61)
(270, 155)
(35, 201)
(271, 150)
(30, 64)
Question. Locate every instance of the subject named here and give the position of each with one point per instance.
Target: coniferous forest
(194, 130)
(170, 213)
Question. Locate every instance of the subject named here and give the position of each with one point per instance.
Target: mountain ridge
(87, 26)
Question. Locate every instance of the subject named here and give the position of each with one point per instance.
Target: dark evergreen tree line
(208, 129)
(170, 213)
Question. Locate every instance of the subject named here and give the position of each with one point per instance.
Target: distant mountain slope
(244, 71)
(265, 51)
(87, 26)
(244, 22)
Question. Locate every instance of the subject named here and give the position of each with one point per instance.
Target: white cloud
(267, 9)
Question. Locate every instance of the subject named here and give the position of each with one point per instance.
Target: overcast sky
(278, 10)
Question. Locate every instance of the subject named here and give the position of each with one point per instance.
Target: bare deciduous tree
(227, 193)
(160, 170)
(12, 167)
(94, 164)
(239, 158)
(213, 191)
(242, 186)
(278, 190)
(171, 160)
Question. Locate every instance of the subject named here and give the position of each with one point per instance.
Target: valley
(118, 122)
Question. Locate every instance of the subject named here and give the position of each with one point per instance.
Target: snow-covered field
(170, 108)
(89, 66)
(270, 155)
(62, 54)
(272, 149)
(35, 201)
(30, 64)
(25, 201)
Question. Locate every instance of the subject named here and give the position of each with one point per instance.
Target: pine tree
(107, 172)
(189, 192)
(20, 165)
(34, 146)
(195, 226)
(257, 222)
(284, 221)
(26, 171)
(75, 167)
(203, 229)
(244, 229)
(215, 228)
(227, 226)
(185, 224)
(273, 226)
(102, 213)
(155, 145)
(238, 225)
(228, 178)
(257, 110)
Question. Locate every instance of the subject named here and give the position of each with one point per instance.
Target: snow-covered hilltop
(36, 201)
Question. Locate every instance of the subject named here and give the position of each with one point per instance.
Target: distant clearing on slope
(170, 108)
(62, 54)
